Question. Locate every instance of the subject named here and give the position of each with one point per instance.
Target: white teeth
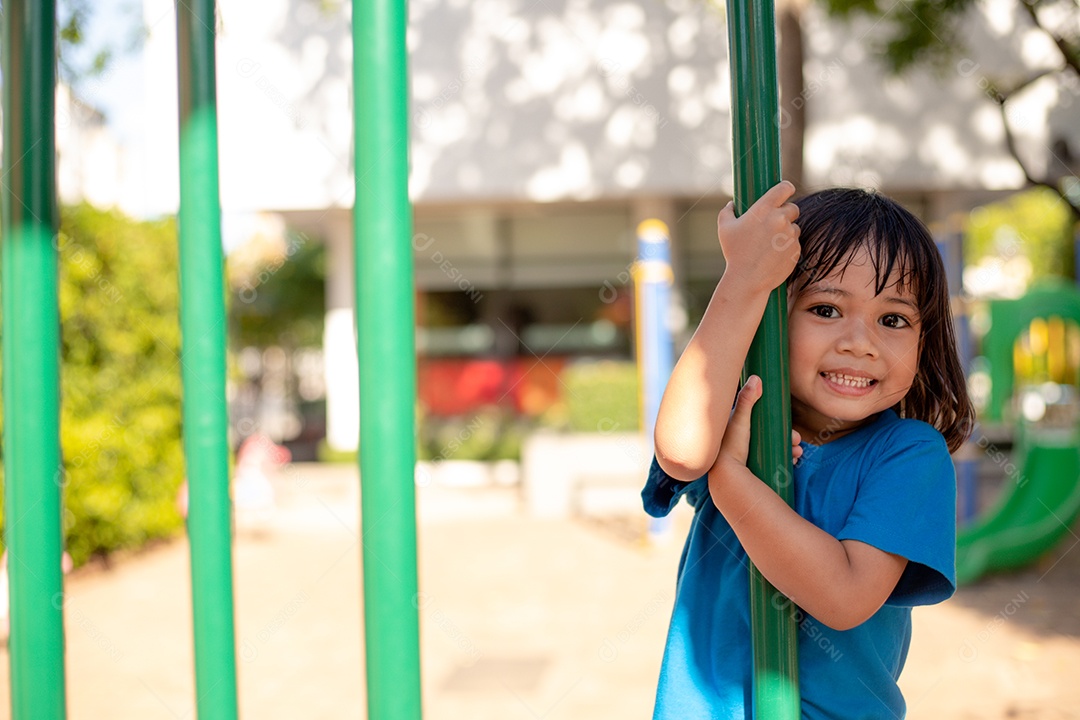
(847, 380)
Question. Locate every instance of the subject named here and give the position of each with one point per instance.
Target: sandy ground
(520, 618)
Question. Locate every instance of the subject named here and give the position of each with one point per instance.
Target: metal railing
(384, 301)
(33, 467)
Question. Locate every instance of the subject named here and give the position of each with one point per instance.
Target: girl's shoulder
(892, 428)
(886, 437)
(896, 441)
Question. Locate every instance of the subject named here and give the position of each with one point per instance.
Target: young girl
(878, 400)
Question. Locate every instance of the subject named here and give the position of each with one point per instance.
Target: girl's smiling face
(854, 353)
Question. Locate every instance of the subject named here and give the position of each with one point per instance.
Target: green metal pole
(202, 325)
(385, 327)
(33, 473)
(756, 157)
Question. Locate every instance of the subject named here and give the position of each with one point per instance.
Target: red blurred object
(456, 386)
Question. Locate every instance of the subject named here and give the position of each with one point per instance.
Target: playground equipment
(1041, 497)
(33, 468)
(202, 327)
(387, 355)
(755, 144)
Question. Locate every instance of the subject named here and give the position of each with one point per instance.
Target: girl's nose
(858, 339)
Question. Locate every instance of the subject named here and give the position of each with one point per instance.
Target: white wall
(582, 99)
(931, 129)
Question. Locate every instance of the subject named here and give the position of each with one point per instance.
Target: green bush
(601, 396)
(120, 381)
(490, 433)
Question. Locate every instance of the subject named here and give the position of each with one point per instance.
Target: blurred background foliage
(120, 381)
(490, 432)
(277, 292)
(934, 34)
(602, 396)
(1035, 224)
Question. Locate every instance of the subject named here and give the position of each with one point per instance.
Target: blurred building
(542, 133)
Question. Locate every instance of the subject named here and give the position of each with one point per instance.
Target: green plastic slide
(1037, 508)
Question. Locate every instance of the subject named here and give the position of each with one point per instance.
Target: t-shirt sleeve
(906, 505)
(662, 492)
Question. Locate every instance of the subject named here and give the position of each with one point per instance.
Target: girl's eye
(895, 321)
(825, 311)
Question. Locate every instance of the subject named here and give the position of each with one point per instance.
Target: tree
(792, 89)
(931, 32)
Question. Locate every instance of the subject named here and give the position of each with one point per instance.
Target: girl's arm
(840, 582)
(761, 248)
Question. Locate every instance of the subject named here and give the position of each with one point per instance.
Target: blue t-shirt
(889, 484)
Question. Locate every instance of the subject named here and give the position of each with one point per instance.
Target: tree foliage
(85, 55)
(120, 381)
(924, 31)
(931, 32)
(1034, 224)
(121, 424)
(278, 294)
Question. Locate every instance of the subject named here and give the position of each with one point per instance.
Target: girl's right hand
(761, 246)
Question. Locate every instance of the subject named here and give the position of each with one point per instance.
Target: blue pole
(950, 247)
(652, 292)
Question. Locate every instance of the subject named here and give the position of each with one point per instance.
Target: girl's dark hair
(834, 224)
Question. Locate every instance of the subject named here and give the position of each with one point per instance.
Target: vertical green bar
(31, 357)
(756, 157)
(202, 325)
(385, 327)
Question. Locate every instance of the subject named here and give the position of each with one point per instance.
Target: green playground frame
(384, 299)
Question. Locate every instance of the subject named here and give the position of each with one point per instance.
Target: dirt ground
(520, 618)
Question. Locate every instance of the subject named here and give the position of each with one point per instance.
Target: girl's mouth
(848, 384)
